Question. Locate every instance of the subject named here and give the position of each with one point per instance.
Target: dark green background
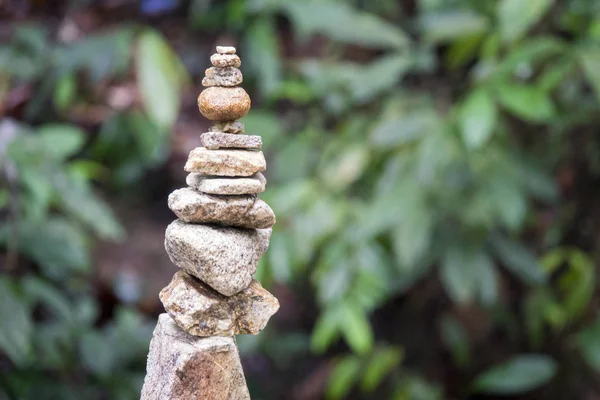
(434, 166)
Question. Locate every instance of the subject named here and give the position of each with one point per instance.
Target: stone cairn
(222, 231)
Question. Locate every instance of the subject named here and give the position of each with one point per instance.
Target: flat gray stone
(225, 162)
(228, 127)
(183, 367)
(225, 60)
(225, 49)
(202, 311)
(229, 76)
(218, 140)
(244, 211)
(227, 185)
(224, 258)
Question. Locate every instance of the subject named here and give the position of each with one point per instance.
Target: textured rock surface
(244, 211)
(218, 140)
(227, 186)
(185, 367)
(201, 311)
(229, 76)
(224, 258)
(225, 60)
(224, 103)
(225, 49)
(225, 162)
(228, 127)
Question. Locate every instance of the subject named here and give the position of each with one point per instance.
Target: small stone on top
(225, 49)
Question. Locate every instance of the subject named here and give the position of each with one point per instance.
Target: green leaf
(355, 328)
(518, 375)
(340, 21)
(65, 92)
(448, 26)
(402, 129)
(458, 272)
(15, 333)
(343, 378)
(519, 260)
(412, 238)
(590, 61)
(477, 118)
(516, 16)
(51, 297)
(588, 342)
(262, 43)
(57, 245)
(160, 77)
(527, 102)
(81, 201)
(380, 364)
(456, 340)
(326, 330)
(60, 141)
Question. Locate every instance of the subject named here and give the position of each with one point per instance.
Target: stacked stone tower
(222, 231)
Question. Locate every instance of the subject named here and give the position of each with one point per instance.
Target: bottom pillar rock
(182, 366)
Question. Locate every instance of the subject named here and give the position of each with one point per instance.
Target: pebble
(224, 103)
(224, 258)
(228, 77)
(225, 162)
(228, 127)
(225, 49)
(202, 311)
(244, 211)
(227, 186)
(218, 140)
(225, 60)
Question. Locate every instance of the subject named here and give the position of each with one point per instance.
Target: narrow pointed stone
(183, 367)
(224, 258)
(202, 311)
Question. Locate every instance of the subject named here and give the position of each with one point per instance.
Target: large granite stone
(227, 185)
(225, 162)
(185, 367)
(224, 258)
(244, 211)
(202, 311)
(217, 140)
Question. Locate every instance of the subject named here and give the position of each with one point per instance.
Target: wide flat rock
(184, 367)
(201, 311)
(228, 76)
(225, 162)
(227, 185)
(217, 140)
(244, 211)
(224, 258)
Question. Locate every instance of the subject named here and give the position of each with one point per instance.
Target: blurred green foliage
(420, 153)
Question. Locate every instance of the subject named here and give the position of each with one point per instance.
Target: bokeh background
(434, 166)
